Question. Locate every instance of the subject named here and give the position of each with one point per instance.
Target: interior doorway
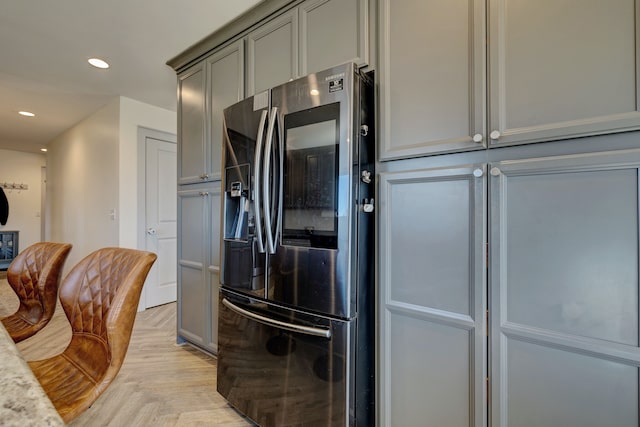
(158, 219)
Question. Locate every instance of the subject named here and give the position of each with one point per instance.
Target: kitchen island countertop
(23, 402)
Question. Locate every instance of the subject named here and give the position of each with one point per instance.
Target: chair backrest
(100, 297)
(34, 276)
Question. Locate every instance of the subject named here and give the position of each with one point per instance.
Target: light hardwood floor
(160, 383)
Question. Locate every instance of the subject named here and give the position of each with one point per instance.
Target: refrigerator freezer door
(284, 375)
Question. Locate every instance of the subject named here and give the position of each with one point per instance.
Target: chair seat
(19, 328)
(66, 384)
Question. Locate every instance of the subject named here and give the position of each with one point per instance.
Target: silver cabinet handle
(495, 134)
(477, 137)
(257, 159)
(495, 172)
(478, 173)
(308, 330)
(151, 231)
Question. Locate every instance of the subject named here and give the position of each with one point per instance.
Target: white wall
(24, 205)
(135, 114)
(82, 184)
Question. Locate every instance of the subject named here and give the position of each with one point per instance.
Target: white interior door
(160, 221)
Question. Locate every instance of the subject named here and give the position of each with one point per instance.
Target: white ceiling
(44, 47)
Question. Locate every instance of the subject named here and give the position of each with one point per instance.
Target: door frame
(143, 134)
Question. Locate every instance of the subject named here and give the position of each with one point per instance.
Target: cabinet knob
(478, 173)
(477, 137)
(151, 231)
(495, 134)
(495, 172)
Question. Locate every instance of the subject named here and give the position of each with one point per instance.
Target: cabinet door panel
(562, 69)
(192, 156)
(332, 32)
(564, 286)
(226, 87)
(432, 76)
(273, 53)
(192, 305)
(433, 302)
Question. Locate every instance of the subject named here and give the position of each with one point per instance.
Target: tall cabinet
(257, 53)
(508, 271)
(205, 89)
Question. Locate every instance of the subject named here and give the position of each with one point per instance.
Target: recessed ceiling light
(26, 113)
(44, 150)
(98, 63)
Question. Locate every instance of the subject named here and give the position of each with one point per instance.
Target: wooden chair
(100, 298)
(34, 276)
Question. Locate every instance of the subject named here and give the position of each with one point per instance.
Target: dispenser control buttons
(236, 189)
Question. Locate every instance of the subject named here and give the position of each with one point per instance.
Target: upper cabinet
(554, 71)
(333, 32)
(225, 72)
(204, 90)
(313, 36)
(273, 53)
(432, 77)
(192, 158)
(562, 69)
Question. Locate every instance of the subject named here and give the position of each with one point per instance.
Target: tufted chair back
(34, 276)
(100, 298)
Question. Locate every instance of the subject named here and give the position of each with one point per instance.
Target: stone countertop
(23, 402)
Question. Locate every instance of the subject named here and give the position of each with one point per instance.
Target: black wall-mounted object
(4, 208)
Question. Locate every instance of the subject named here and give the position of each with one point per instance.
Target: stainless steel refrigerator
(296, 319)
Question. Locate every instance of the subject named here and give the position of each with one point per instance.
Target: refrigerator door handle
(307, 330)
(256, 181)
(266, 170)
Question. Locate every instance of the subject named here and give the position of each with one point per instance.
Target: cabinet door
(562, 69)
(432, 78)
(213, 269)
(273, 53)
(192, 294)
(564, 289)
(193, 161)
(225, 70)
(333, 32)
(432, 298)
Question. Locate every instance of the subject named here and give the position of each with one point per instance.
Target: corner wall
(82, 184)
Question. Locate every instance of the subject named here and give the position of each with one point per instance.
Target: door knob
(151, 231)
(477, 137)
(495, 134)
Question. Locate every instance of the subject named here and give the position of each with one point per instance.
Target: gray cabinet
(273, 53)
(316, 35)
(193, 162)
(432, 297)
(198, 264)
(432, 77)
(333, 32)
(225, 86)
(559, 286)
(564, 286)
(576, 77)
(204, 91)
(554, 72)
